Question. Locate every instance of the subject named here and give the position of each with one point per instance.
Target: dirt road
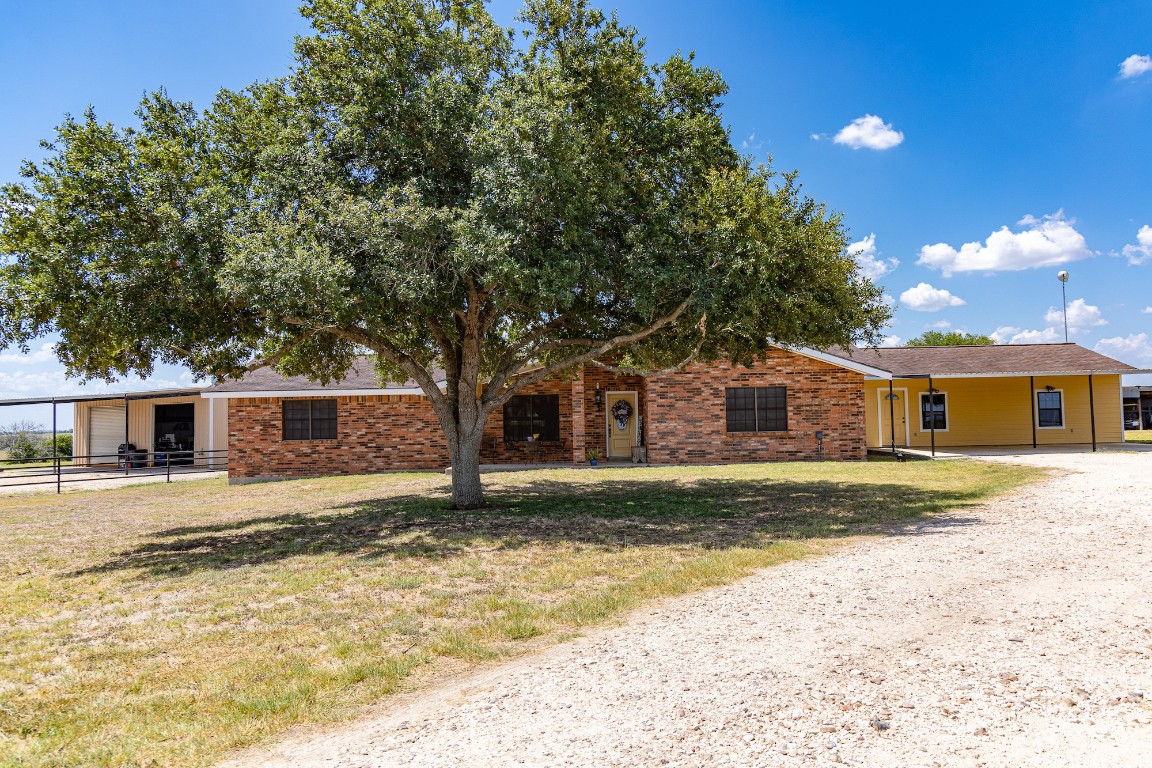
(1018, 633)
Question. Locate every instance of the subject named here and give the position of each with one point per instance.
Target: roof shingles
(998, 359)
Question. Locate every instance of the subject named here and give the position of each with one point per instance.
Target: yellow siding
(141, 422)
(998, 410)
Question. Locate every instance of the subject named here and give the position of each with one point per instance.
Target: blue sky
(974, 150)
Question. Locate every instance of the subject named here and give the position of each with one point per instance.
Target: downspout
(1092, 412)
(1032, 399)
(932, 405)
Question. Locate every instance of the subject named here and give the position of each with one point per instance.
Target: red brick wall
(496, 451)
(686, 423)
(683, 423)
(373, 434)
(596, 421)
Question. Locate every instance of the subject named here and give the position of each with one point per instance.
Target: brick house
(792, 404)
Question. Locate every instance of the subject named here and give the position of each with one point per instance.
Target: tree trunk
(467, 493)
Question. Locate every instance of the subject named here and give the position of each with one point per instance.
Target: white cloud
(942, 324)
(868, 132)
(871, 264)
(1142, 251)
(1147, 310)
(1135, 65)
(925, 298)
(46, 353)
(1081, 316)
(891, 341)
(1008, 334)
(20, 384)
(1133, 348)
(750, 144)
(1042, 243)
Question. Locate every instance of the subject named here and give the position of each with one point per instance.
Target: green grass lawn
(1138, 436)
(167, 624)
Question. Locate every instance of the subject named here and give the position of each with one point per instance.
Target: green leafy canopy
(505, 204)
(950, 339)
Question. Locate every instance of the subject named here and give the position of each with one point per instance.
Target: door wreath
(622, 411)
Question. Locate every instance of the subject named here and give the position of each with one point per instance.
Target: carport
(106, 429)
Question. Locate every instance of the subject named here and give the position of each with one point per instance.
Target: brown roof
(362, 375)
(997, 359)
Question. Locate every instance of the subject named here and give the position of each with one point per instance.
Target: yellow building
(1012, 394)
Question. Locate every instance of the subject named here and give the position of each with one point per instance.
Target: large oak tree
(505, 204)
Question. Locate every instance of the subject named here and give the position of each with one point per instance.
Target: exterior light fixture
(1062, 276)
(598, 401)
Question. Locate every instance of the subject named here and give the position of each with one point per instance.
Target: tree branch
(491, 400)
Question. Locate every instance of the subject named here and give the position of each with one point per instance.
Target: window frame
(545, 437)
(313, 418)
(1063, 417)
(758, 392)
(947, 415)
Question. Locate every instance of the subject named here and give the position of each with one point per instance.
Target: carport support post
(1032, 399)
(1092, 412)
(892, 414)
(55, 453)
(932, 405)
(127, 456)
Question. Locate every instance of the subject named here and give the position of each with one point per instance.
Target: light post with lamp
(1063, 276)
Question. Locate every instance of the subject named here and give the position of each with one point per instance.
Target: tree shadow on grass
(705, 513)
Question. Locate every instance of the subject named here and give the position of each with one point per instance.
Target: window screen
(756, 409)
(309, 419)
(1049, 409)
(933, 413)
(526, 416)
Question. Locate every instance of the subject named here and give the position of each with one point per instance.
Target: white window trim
(1063, 417)
(920, 414)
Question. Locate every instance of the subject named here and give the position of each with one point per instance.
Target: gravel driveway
(1017, 633)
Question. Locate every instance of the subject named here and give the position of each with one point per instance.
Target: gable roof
(361, 379)
(992, 360)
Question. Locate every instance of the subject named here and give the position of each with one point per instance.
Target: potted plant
(593, 456)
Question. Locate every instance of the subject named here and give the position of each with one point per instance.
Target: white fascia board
(314, 393)
(1018, 373)
(842, 362)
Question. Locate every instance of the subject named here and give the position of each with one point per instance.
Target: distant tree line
(950, 339)
(25, 440)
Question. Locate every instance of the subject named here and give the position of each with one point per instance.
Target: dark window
(933, 414)
(309, 419)
(756, 409)
(1049, 409)
(528, 416)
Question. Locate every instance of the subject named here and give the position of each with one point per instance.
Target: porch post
(932, 405)
(1092, 412)
(1032, 399)
(578, 426)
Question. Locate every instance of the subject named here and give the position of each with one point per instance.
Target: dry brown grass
(167, 624)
